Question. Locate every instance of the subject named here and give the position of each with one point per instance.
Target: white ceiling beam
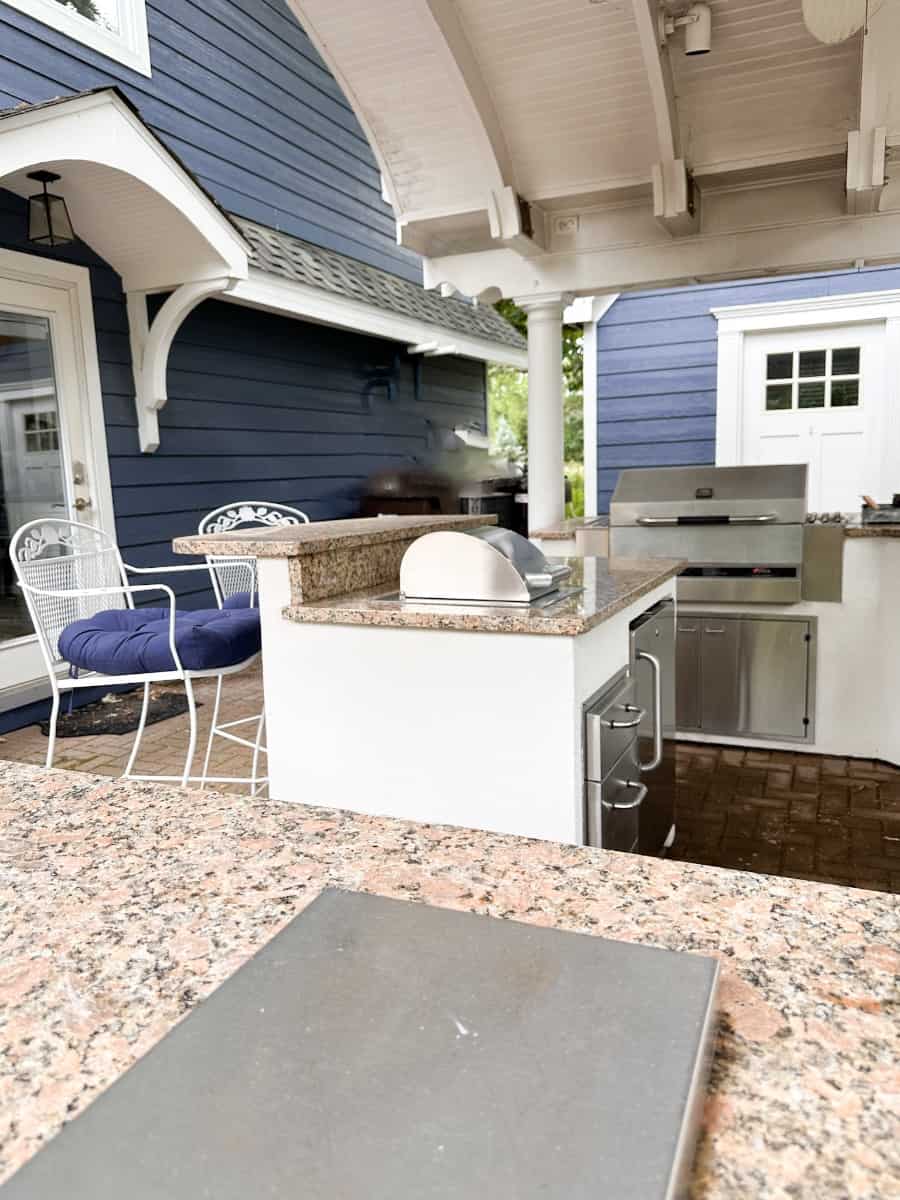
(867, 145)
(675, 206)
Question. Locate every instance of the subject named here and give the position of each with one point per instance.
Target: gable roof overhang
(565, 146)
(129, 197)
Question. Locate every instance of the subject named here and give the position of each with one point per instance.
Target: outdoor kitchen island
(464, 714)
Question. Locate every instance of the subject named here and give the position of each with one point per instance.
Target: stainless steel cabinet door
(719, 674)
(687, 673)
(773, 670)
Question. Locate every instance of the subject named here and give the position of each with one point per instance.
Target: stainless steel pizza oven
(740, 528)
(478, 566)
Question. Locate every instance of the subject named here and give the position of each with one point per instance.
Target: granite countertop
(609, 585)
(568, 528)
(298, 541)
(856, 529)
(126, 903)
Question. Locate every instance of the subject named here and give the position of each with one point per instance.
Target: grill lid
(483, 566)
(744, 495)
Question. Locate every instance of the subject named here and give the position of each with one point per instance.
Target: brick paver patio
(810, 817)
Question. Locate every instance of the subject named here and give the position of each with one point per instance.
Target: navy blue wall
(260, 407)
(241, 95)
(657, 361)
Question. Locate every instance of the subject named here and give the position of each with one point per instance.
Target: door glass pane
(779, 366)
(811, 395)
(101, 12)
(845, 361)
(844, 393)
(811, 362)
(778, 397)
(31, 477)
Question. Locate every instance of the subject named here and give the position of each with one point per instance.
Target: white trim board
(803, 314)
(130, 45)
(274, 294)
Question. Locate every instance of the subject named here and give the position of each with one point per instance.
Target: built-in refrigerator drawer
(610, 726)
(614, 806)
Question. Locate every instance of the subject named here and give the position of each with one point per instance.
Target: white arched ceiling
(617, 144)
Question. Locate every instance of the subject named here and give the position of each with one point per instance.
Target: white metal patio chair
(70, 572)
(229, 577)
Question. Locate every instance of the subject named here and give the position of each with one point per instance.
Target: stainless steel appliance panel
(719, 674)
(611, 728)
(774, 545)
(722, 590)
(653, 668)
(746, 492)
(773, 673)
(614, 807)
(687, 673)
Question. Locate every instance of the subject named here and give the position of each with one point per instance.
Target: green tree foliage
(86, 8)
(508, 404)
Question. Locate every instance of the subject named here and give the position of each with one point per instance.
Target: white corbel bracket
(676, 202)
(866, 160)
(150, 346)
(516, 223)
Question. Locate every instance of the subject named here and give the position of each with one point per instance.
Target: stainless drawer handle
(632, 724)
(687, 628)
(657, 712)
(640, 788)
(754, 519)
(708, 630)
(657, 520)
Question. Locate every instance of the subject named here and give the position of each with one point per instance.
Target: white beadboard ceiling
(474, 105)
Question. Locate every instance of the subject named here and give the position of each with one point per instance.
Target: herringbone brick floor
(807, 816)
(810, 817)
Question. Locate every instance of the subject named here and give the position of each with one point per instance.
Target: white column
(546, 486)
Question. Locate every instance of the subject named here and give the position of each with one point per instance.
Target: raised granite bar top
(299, 541)
(608, 586)
(328, 558)
(126, 904)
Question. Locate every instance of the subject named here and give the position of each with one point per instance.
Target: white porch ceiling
(522, 140)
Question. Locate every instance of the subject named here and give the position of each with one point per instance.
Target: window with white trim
(41, 431)
(805, 379)
(116, 28)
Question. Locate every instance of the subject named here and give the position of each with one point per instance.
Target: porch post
(546, 487)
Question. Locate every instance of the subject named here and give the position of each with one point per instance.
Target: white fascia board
(800, 314)
(275, 294)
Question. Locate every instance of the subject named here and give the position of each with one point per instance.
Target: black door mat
(118, 712)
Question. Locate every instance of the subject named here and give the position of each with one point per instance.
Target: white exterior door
(817, 396)
(52, 444)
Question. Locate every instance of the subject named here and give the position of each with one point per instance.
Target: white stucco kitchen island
(462, 714)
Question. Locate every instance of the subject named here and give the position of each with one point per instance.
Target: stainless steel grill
(478, 566)
(740, 528)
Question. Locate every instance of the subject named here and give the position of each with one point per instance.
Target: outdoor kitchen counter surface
(609, 585)
(125, 905)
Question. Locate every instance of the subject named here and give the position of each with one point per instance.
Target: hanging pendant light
(48, 218)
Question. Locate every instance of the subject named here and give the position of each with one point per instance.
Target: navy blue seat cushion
(135, 641)
(238, 600)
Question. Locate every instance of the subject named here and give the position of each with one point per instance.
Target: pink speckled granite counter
(606, 587)
(125, 904)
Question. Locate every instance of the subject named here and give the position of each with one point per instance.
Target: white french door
(817, 396)
(52, 444)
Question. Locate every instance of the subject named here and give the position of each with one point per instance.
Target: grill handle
(750, 519)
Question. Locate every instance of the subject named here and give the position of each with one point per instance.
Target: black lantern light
(48, 217)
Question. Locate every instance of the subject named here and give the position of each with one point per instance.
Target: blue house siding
(240, 94)
(657, 362)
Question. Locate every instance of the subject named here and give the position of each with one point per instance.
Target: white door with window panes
(52, 443)
(816, 396)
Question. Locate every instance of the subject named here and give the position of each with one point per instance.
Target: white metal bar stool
(234, 583)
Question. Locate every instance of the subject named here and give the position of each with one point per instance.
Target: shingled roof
(291, 258)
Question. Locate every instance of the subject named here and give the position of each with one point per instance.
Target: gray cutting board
(379, 1049)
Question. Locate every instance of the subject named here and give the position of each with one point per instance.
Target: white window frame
(129, 46)
(734, 322)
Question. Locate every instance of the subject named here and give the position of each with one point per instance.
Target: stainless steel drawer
(613, 806)
(610, 726)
